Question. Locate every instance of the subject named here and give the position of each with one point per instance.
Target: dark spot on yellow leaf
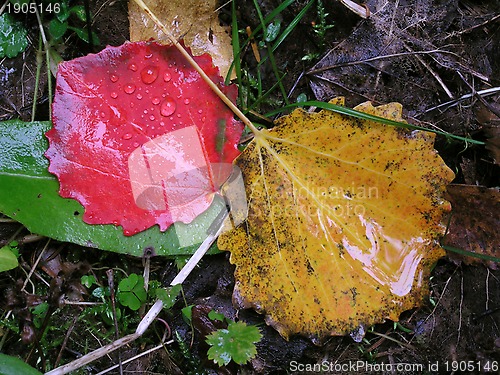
(344, 220)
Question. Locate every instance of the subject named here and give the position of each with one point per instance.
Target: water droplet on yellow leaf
(344, 217)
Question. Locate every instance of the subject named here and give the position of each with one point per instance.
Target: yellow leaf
(194, 21)
(343, 221)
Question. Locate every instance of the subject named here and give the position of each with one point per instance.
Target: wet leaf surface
(29, 194)
(344, 217)
(474, 222)
(135, 130)
(8, 259)
(194, 21)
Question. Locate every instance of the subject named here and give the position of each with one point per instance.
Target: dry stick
(479, 97)
(148, 318)
(111, 284)
(35, 265)
(357, 62)
(481, 93)
(433, 73)
(66, 338)
(136, 357)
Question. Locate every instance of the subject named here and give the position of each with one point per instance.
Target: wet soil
(439, 58)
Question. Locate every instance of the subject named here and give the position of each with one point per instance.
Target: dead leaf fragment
(194, 21)
(474, 222)
(343, 221)
(488, 118)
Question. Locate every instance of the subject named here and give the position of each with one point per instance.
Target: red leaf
(135, 131)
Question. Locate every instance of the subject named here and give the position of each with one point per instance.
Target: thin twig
(137, 356)
(390, 56)
(65, 341)
(451, 103)
(33, 268)
(479, 97)
(148, 318)
(473, 27)
(111, 283)
(433, 73)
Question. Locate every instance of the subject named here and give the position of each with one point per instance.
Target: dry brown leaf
(194, 21)
(474, 222)
(488, 118)
(343, 221)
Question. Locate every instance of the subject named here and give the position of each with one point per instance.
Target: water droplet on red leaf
(121, 126)
(168, 107)
(149, 74)
(129, 89)
(186, 101)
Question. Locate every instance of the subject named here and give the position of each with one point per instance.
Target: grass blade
(366, 116)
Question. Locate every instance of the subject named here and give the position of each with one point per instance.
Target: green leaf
(84, 35)
(187, 314)
(57, 28)
(168, 295)
(131, 291)
(13, 36)
(63, 13)
(214, 315)
(20, 2)
(14, 366)
(273, 30)
(237, 342)
(8, 259)
(88, 280)
(99, 292)
(29, 194)
(79, 11)
(39, 312)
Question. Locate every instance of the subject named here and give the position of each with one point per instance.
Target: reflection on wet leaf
(343, 221)
(128, 119)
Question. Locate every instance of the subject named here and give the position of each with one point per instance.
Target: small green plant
(168, 295)
(236, 342)
(131, 292)
(13, 36)
(69, 18)
(88, 280)
(8, 256)
(320, 28)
